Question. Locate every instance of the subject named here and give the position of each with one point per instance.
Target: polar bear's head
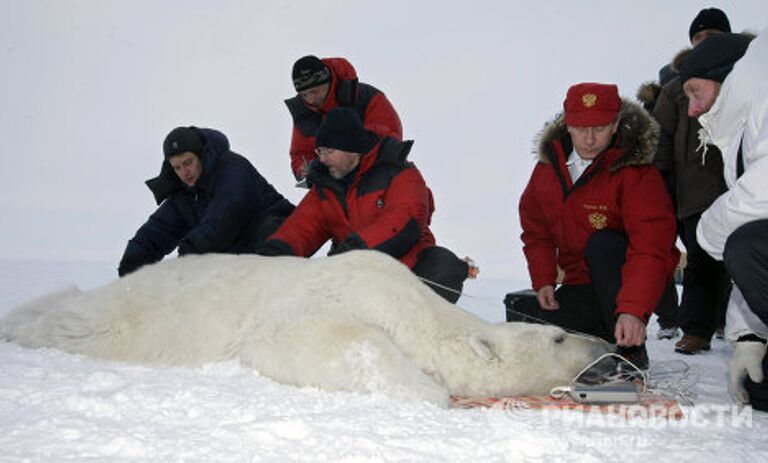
(522, 359)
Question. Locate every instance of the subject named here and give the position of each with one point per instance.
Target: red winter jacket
(373, 107)
(386, 207)
(619, 191)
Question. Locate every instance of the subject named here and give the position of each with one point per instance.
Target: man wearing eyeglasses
(322, 85)
(596, 208)
(365, 194)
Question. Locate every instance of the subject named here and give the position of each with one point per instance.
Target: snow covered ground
(56, 407)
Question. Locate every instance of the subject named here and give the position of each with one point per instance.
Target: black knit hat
(309, 72)
(709, 18)
(181, 140)
(342, 130)
(714, 58)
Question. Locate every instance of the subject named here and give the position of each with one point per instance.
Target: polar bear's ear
(482, 347)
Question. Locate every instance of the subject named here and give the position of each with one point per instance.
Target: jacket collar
(385, 152)
(724, 124)
(168, 183)
(636, 137)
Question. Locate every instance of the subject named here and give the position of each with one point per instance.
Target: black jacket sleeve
(155, 239)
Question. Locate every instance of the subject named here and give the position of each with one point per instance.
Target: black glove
(273, 248)
(352, 243)
(186, 247)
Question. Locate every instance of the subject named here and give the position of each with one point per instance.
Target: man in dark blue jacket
(211, 200)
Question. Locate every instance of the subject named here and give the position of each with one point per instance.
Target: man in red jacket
(365, 194)
(596, 208)
(326, 84)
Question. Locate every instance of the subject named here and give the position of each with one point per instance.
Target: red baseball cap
(591, 104)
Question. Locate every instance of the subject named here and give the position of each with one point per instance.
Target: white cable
(540, 320)
(643, 374)
(677, 389)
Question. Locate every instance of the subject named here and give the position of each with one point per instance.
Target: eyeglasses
(320, 152)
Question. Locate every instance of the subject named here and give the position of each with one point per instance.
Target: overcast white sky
(89, 89)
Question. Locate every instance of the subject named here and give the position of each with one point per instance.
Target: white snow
(56, 407)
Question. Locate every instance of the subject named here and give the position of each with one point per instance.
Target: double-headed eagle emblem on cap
(589, 100)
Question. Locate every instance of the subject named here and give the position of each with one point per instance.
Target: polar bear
(360, 321)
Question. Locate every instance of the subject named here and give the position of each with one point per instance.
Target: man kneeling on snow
(596, 208)
(366, 195)
(211, 200)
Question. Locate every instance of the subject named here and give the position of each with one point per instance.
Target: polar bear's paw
(377, 365)
(342, 355)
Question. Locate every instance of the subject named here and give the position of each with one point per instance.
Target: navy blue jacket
(229, 210)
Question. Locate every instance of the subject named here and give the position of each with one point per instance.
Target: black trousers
(589, 308)
(706, 286)
(441, 266)
(746, 259)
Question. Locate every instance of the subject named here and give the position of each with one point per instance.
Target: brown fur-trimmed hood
(638, 135)
(678, 59)
(648, 93)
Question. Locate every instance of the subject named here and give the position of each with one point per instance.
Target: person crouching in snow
(324, 84)
(365, 194)
(596, 208)
(210, 200)
(725, 81)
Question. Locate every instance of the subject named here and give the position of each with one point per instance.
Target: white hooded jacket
(739, 116)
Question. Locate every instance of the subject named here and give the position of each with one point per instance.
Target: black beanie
(342, 130)
(181, 140)
(709, 18)
(713, 59)
(309, 72)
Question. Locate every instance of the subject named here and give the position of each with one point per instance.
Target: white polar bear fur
(360, 321)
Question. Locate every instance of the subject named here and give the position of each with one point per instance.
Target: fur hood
(648, 93)
(638, 135)
(678, 59)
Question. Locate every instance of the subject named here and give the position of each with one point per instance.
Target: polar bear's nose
(598, 372)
